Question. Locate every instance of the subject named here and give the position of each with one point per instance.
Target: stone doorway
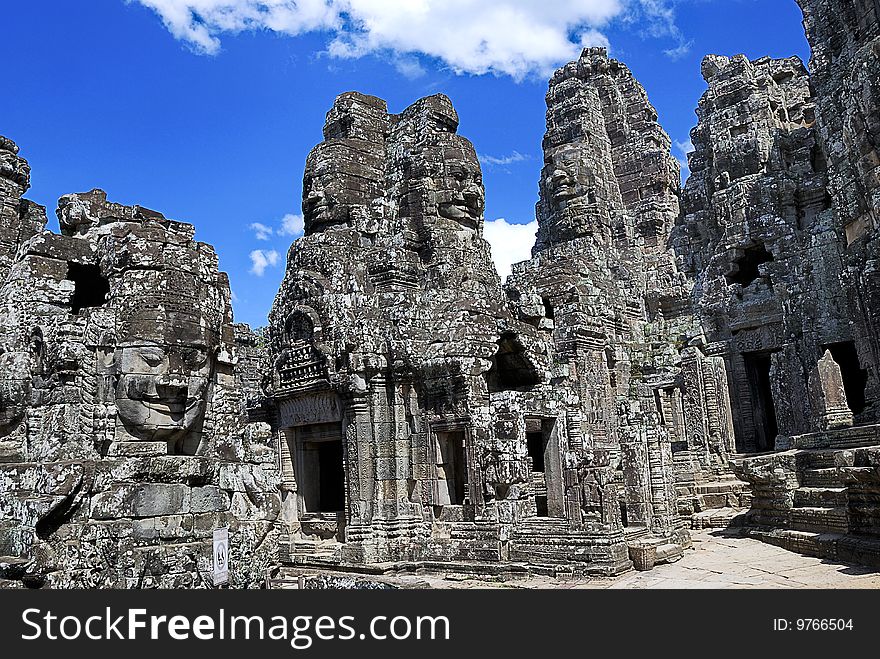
(320, 472)
(763, 409)
(546, 468)
(452, 469)
(316, 456)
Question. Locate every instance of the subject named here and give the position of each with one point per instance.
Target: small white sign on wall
(221, 556)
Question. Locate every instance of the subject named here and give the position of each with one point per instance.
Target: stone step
(810, 543)
(720, 487)
(826, 477)
(807, 497)
(836, 476)
(821, 459)
(862, 550)
(314, 549)
(544, 525)
(820, 519)
(718, 518)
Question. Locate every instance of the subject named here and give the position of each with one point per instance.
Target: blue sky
(210, 120)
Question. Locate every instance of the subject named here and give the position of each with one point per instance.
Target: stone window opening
(736, 131)
(90, 286)
(511, 368)
(611, 365)
(809, 116)
(855, 378)
(549, 312)
(817, 159)
(746, 266)
(659, 403)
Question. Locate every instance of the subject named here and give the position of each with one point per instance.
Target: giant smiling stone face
(567, 180)
(15, 388)
(162, 390)
(461, 197)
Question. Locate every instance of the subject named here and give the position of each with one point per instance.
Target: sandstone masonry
(668, 358)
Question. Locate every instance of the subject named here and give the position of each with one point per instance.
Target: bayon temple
(670, 358)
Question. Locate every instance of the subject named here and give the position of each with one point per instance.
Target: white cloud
(684, 148)
(511, 243)
(409, 67)
(513, 37)
(261, 231)
(657, 20)
(490, 161)
(262, 259)
(679, 51)
(291, 225)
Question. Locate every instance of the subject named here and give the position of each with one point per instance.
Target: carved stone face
(15, 388)
(338, 181)
(461, 197)
(567, 180)
(161, 392)
(317, 208)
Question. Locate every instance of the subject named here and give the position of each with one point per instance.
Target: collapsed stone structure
(406, 407)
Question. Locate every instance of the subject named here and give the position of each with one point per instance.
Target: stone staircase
(820, 502)
(715, 504)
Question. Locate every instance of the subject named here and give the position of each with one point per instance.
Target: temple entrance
(537, 448)
(320, 468)
(331, 477)
(452, 473)
(546, 469)
(763, 410)
(855, 378)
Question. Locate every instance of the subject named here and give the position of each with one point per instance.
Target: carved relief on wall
(310, 409)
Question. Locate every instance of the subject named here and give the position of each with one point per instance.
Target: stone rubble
(665, 361)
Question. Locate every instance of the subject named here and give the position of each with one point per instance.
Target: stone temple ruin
(668, 359)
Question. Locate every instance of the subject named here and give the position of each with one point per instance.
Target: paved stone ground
(717, 560)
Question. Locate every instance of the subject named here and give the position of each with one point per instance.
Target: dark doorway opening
(90, 286)
(855, 378)
(763, 409)
(546, 467)
(452, 468)
(549, 313)
(320, 468)
(331, 477)
(624, 520)
(535, 441)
